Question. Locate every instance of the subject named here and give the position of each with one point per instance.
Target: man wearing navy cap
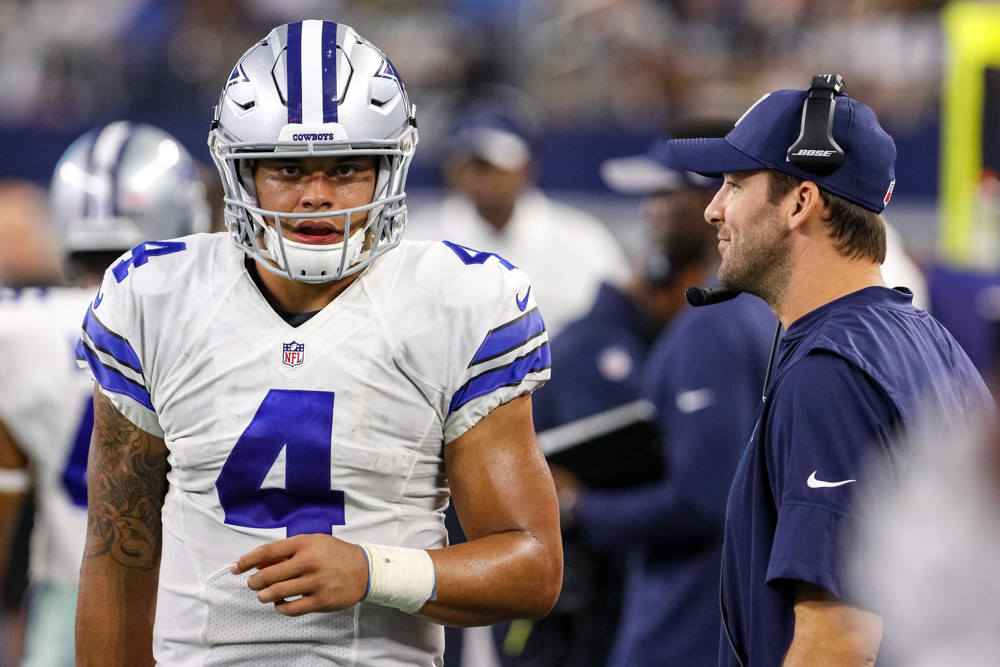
(806, 177)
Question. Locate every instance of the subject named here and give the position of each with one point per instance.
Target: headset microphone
(706, 296)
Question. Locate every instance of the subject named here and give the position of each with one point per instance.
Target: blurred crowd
(636, 63)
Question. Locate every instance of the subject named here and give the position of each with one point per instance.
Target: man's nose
(317, 191)
(714, 211)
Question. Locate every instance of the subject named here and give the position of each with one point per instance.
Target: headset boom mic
(706, 296)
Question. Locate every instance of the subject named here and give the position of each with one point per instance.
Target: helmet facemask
(367, 114)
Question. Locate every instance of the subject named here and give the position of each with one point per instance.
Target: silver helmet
(122, 184)
(313, 88)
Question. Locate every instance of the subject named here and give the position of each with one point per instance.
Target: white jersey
(46, 404)
(336, 426)
(567, 252)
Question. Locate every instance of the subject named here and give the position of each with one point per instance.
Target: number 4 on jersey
(301, 424)
(141, 254)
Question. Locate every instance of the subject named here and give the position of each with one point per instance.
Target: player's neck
(293, 296)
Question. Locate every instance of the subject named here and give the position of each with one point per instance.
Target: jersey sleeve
(830, 428)
(107, 349)
(489, 344)
(512, 359)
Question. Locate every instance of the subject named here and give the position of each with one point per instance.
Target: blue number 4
(141, 254)
(301, 423)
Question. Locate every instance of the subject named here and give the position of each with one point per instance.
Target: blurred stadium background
(610, 75)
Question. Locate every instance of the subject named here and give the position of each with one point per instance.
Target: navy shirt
(705, 376)
(849, 377)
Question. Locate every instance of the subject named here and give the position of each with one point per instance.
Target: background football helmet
(313, 88)
(122, 184)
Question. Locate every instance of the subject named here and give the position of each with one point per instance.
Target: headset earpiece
(816, 150)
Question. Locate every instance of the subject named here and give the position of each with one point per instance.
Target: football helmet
(313, 88)
(119, 185)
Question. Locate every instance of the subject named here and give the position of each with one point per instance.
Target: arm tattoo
(126, 485)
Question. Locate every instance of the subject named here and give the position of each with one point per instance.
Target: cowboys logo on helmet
(122, 184)
(313, 88)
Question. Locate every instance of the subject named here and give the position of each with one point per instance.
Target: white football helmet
(313, 88)
(122, 184)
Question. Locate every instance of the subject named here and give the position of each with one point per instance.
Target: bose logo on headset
(805, 152)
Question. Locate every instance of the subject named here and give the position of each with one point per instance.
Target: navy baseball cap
(763, 134)
(500, 125)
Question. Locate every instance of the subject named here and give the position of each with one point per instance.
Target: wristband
(14, 480)
(399, 577)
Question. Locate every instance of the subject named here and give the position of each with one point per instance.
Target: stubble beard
(759, 265)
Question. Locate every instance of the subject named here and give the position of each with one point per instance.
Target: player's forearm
(496, 578)
(114, 614)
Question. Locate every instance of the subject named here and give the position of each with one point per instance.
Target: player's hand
(306, 573)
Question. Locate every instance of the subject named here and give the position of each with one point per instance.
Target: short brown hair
(857, 232)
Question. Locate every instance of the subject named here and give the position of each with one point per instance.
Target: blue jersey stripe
(293, 72)
(111, 379)
(110, 342)
(329, 56)
(537, 360)
(509, 336)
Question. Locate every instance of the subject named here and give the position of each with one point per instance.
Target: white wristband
(399, 577)
(14, 480)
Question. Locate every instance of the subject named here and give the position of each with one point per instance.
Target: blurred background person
(928, 556)
(704, 376)
(28, 255)
(592, 419)
(114, 188)
(494, 205)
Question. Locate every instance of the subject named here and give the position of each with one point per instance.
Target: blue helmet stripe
(293, 72)
(113, 172)
(89, 194)
(329, 59)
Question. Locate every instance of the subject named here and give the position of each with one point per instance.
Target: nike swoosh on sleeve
(523, 303)
(814, 483)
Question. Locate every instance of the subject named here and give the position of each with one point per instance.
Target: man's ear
(803, 202)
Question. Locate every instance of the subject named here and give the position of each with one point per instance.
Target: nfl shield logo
(293, 354)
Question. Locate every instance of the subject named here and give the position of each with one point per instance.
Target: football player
(113, 188)
(280, 425)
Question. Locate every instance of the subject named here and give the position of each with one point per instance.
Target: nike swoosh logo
(814, 483)
(523, 303)
(693, 400)
(100, 296)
